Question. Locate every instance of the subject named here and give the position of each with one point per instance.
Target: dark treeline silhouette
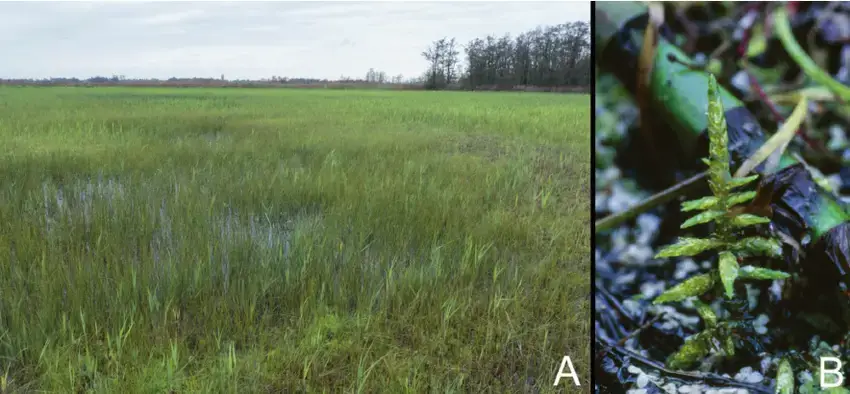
(548, 58)
(274, 82)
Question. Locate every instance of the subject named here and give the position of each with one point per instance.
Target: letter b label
(835, 372)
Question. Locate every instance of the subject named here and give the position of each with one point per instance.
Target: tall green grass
(224, 240)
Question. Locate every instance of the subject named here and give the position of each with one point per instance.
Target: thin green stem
(783, 31)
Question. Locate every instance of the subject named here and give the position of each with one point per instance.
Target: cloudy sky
(249, 39)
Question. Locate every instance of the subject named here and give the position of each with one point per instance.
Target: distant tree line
(546, 56)
(394, 83)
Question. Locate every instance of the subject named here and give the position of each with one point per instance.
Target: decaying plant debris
(782, 73)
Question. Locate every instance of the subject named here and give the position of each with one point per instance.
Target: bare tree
(545, 56)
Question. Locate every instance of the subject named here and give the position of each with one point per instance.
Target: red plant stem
(745, 41)
(747, 33)
(792, 7)
(754, 84)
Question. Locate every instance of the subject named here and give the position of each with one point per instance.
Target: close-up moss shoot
(722, 198)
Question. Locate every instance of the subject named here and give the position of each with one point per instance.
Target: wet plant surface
(651, 132)
(248, 241)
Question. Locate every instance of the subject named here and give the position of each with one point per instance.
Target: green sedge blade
(820, 179)
(692, 287)
(687, 246)
(782, 26)
(728, 272)
(776, 145)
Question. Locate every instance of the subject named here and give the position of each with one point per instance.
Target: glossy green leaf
(784, 378)
(701, 218)
(687, 246)
(728, 272)
(691, 287)
(751, 272)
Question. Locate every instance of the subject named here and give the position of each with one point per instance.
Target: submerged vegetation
(224, 240)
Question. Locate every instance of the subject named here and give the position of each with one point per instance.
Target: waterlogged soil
(75, 205)
(255, 228)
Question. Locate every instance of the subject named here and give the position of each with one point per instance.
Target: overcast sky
(250, 39)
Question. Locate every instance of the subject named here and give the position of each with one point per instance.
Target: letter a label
(566, 362)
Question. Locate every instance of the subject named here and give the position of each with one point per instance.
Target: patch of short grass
(223, 240)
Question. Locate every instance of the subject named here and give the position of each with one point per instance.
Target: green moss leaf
(751, 272)
(692, 287)
(728, 272)
(747, 219)
(740, 198)
(694, 349)
(699, 204)
(784, 378)
(706, 313)
(710, 202)
(738, 182)
(687, 246)
(758, 246)
(718, 170)
(729, 346)
(703, 217)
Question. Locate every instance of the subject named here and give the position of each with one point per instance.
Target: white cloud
(249, 39)
(172, 17)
